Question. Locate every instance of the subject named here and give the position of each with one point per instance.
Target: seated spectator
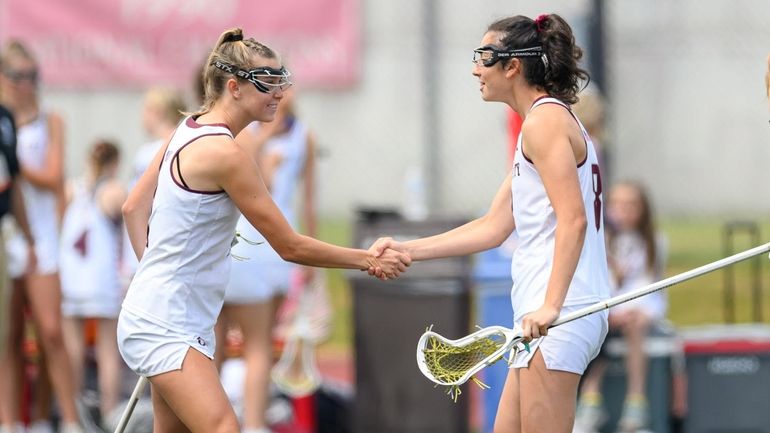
(636, 255)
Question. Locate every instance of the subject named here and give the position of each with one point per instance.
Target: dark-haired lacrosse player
(202, 181)
(553, 199)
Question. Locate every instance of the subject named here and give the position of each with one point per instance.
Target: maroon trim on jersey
(183, 185)
(538, 99)
(531, 107)
(524, 154)
(582, 163)
(192, 123)
(566, 107)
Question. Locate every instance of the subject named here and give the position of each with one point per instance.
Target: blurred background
(386, 87)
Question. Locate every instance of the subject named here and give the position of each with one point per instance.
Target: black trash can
(728, 377)
(392, 396)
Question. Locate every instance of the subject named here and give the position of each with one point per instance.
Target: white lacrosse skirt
(150, 349)
(16, 247)
(569, 347)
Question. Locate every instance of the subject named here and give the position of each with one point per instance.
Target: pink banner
(136, 43)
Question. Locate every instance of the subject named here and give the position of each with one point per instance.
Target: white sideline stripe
(754, 332)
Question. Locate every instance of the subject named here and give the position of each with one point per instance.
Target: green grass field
(699, 301)
(692, 243)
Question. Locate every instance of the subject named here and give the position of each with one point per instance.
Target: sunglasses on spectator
(22, 75)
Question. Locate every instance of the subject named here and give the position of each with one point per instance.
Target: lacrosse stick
(138, 390)
(296, 373)
(453, 362)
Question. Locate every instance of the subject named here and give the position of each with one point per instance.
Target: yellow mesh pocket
(448, 363)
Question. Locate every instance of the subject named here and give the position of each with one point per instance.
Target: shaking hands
(389, 259)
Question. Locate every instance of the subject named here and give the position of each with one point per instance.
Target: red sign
(136, 43)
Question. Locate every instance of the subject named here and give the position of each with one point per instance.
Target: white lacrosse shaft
(514, 336)
(662, 284)
(138, 390)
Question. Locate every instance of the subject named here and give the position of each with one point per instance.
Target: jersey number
(596, 178)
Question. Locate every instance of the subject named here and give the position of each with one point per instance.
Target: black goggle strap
(523, 52)
(253, 75)
(497, 54)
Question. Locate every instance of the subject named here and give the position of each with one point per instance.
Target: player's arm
(546, 142)
(51, 175)
(238, 175)
(138, 206)
(20, 215)
(17, 206)
(309, 219)
(111, 199)
(488, 231)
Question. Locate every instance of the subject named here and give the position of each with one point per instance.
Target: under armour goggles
(488, 55)
(265, 79)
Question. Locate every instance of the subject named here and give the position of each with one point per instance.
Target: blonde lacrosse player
(553, 199)
(41, 160)
(190, 199)
(284, 151)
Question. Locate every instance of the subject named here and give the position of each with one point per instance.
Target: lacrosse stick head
(453, 362)
(296, 373)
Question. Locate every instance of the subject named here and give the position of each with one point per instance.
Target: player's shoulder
(223, 153)
(548, 119)
(547, 113)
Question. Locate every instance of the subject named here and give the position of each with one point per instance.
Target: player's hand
(389, 264)
(535, 324)
(380, 246)
(31, 261)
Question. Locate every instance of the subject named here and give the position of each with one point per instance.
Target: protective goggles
(488, 55)
(265, 79)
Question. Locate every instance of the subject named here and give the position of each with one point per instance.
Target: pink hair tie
(539, 22)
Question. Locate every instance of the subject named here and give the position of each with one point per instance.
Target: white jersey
(536, 226)
(40, 203)
(292, 149)
(180, 282)
(263, 273)
(90, 244)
